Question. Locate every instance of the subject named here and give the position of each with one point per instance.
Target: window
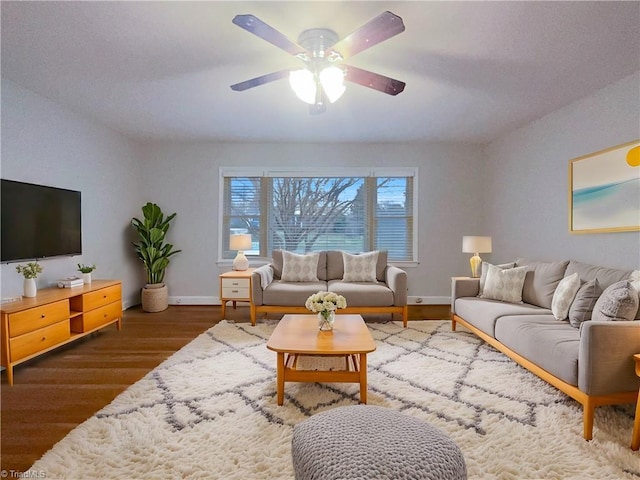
(300, 213)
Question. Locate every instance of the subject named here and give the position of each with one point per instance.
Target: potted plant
(154, 253)
(30, 272)
(86, 272)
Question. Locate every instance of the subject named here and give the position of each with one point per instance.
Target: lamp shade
(240, 241)
(304, 85)
(471, 244)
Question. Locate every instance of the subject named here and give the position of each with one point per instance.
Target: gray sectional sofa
(386, 293)
(591, 360)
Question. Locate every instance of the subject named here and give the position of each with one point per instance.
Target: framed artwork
(604, 190)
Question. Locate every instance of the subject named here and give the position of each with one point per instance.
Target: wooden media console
(55, 317)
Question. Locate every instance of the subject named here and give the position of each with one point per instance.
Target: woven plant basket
(155, 297)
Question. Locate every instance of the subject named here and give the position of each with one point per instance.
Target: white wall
(46, 144)
(185, 180)
(527, 180)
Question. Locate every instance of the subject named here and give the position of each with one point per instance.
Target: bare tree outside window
(303, 214)
(306, 209)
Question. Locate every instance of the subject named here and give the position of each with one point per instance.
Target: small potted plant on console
(86, 272)
(30, 272)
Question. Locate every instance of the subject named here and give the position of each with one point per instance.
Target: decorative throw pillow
(485, 269)
(360, 268)
(299, 268)
(582, 307)
(505, 285)
(618, 302)
(564, 295)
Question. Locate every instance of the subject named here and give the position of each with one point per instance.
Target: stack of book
(70, 282)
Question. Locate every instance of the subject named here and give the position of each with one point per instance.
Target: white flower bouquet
(325, 302)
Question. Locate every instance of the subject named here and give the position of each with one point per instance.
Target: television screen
(39, 221)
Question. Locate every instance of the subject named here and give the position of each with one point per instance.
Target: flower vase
(86, 278)
(30, 288)
(325, 320)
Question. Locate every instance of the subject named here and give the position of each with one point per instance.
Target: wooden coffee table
(298, 335)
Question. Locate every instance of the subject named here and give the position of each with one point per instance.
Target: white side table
(235, 286)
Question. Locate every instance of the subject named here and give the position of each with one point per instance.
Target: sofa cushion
(485, 270)
(582, 307)
(505, 285)
(619, 302)
(564, 295)
(290, 294)
(541, 281)
(276, 263)
(335, 265)
(483, 314)
(363, 294)
(553, 346)
(606, 276)
(299, 268)
(359, 268)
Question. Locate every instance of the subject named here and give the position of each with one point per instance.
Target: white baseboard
(192, 300)
(428, 300)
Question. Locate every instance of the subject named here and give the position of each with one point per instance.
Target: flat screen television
(39, 221)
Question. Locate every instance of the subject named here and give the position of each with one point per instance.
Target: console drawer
(34, 318)
(95, 299)
(41, 339)
(96, 318)
(235, 292)
(235, 283)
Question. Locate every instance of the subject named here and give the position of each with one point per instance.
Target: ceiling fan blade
(255, 82)
(387, 85)
(253, 24)
(382, 27)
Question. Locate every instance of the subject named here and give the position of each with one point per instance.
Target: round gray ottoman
(368, 442)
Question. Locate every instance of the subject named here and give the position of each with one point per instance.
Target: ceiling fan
(321, 52)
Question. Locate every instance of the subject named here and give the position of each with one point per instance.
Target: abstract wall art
(604, 190)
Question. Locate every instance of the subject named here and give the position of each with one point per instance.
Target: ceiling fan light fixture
(304, 85)
(332, 81)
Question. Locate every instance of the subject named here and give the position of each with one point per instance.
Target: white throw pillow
(360, 268)
(485, 269)
(505, 285)
(299, 268)
(564, 295)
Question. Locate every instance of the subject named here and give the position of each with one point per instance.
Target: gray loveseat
(590, 361)
(387, 294)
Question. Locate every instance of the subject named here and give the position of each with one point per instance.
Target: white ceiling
(474, 70)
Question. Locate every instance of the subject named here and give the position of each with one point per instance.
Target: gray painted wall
(527, 180)
(46, 144)
(185, 179)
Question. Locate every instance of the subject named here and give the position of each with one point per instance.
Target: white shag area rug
(210, 412)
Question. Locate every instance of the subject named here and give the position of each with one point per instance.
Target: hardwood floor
(57, 391)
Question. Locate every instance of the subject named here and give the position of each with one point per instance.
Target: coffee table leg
(363, 378)
(280, 378)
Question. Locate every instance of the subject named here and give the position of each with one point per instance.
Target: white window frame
(317, 172)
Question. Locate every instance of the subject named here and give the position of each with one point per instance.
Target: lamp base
(476, 266)
(240, 263)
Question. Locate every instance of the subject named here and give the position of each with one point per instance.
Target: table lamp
(476, 245)
(240, 242)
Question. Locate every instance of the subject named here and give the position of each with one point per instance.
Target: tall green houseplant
(152, 249)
